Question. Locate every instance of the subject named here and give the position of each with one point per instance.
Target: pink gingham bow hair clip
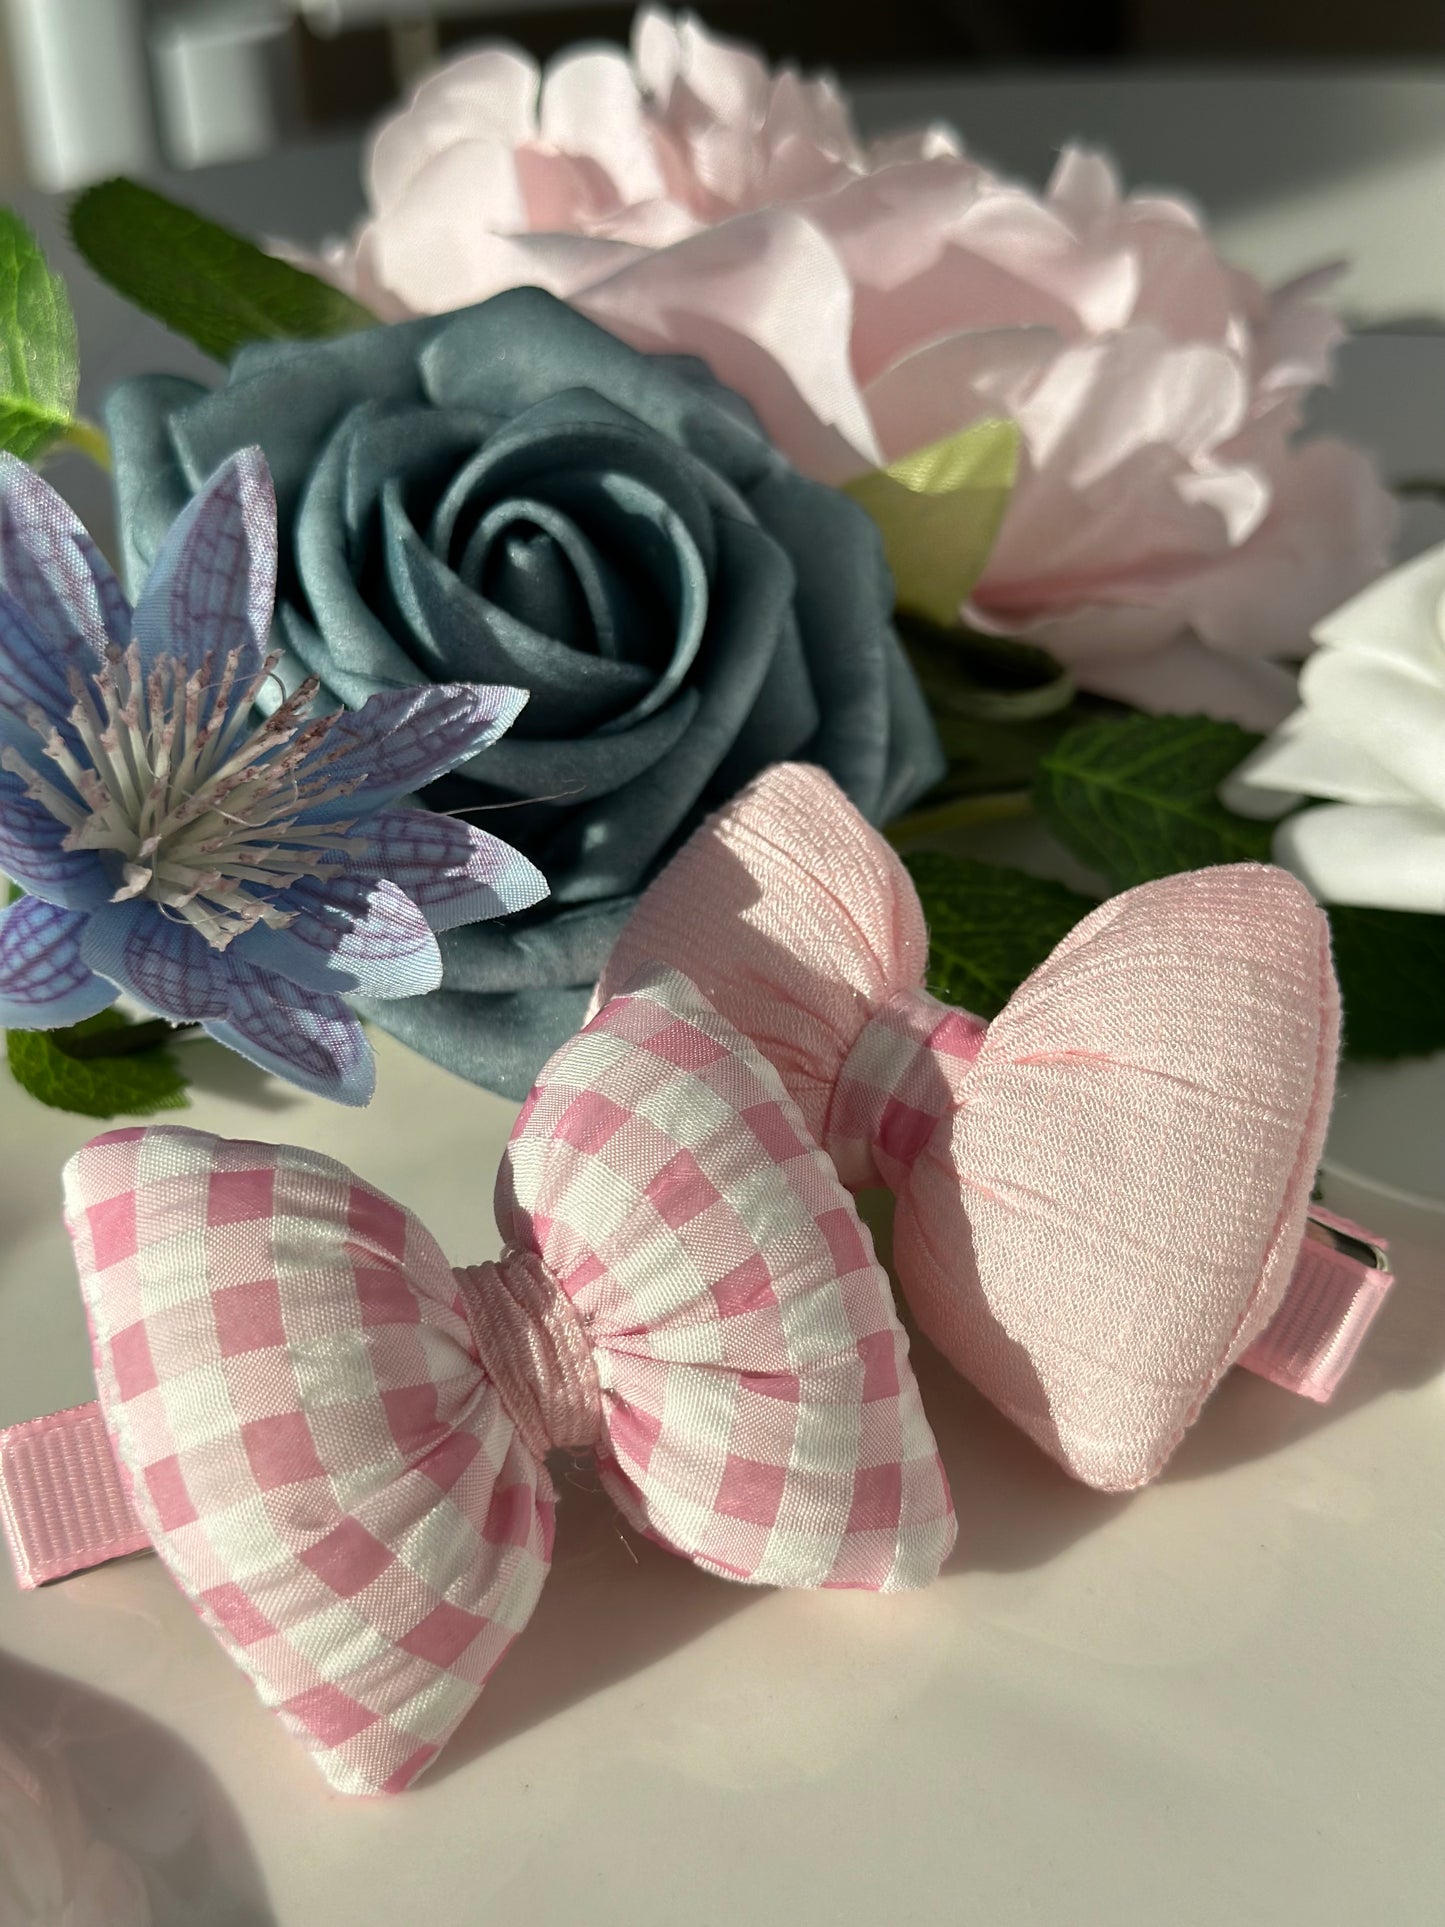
(1102, 1194)
(336, 1442)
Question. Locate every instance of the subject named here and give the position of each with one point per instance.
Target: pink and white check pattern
(297, 1385)
(290, 1382)
(667, 1181)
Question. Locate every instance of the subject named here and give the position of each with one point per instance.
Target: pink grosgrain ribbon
(1102, 1194)
(335, 1442)
(63, 1498)
(1338, 1284)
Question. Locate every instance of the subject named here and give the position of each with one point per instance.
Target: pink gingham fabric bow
(336, 1442)
(1102, 1194)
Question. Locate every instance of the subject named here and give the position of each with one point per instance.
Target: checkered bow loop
(1102, 1193)
(335, 1441)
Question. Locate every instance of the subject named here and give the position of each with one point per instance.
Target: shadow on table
(614, 1605)
(1247, 1418)
(107, 1818)
(214, 1071)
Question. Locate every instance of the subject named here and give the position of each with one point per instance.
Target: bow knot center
(905, 1071)
(533, 1347)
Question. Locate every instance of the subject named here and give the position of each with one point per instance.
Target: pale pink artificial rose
(495, 176)
(1169, 536)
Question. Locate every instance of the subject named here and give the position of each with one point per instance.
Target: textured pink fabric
(904, 1072)
(536, 1350)
(760, 1414)
(333, 1440)
(1102, 1194)
(63, 1501)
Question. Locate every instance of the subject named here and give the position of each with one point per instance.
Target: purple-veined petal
(44, 979)
(405, 738)
(31, 854)
(212, 587)
(455, 874)
(349, 933)
(164, 963)
(311, 1039)
(32, 675)
(57, 574)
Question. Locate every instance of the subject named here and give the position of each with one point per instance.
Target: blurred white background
(98, 86)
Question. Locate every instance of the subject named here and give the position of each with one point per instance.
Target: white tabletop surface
(1218, 1701)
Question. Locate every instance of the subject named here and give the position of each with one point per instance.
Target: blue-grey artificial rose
(510, 494)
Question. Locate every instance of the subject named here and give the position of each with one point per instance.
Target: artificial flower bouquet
(602, 533)
(724, 512)
(653, 429)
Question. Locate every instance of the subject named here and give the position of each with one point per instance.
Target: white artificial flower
(1370, 736)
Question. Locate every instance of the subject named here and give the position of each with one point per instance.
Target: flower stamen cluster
(203, 807)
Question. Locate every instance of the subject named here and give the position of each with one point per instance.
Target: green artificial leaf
(990, 678)
(56, 1067)
(988, 927)
(1391, 967)
(984, 758)
(986, 755)
(39, 363)
(939, 510)
(1138, 798)
(207, 283)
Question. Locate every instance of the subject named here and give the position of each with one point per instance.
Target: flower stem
(89, 440)
(998, 807)
(126, 1039)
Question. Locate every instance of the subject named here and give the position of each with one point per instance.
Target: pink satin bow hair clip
(336, 1442)
(1103, 1196)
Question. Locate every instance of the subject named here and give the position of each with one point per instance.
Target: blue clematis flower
(224, 870)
